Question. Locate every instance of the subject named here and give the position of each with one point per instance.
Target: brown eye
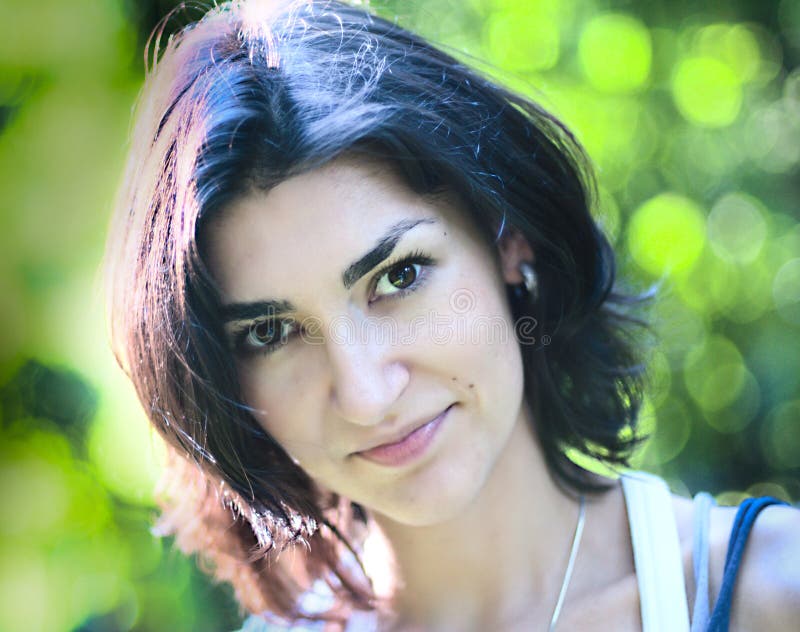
(399, 278)
(262, 334)
(402, 276)
(265, 336)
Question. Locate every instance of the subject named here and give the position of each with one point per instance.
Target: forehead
(318, 221)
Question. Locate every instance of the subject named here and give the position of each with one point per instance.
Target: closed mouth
(407, 447)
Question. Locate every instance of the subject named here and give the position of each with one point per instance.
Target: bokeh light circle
(712, 285)
(736, 45)
(38, 493)
(736, 228)
(666, 234)
(742, 410)
(752, 295)
(520, 41)
(615, 52)
(772, 136)
(679, 327)
(786, 291)
(707, 92)
(770, 488)
(714, 373)
(667, 428)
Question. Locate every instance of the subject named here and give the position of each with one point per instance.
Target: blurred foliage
(692, 117)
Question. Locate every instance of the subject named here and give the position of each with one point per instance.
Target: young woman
(360, 293)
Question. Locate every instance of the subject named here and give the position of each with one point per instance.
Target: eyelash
(241, 334)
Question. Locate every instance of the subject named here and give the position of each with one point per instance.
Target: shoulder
(767, 589)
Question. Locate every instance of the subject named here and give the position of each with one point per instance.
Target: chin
(434, 501)
(425, 514)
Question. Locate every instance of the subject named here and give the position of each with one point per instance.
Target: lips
(409, 447)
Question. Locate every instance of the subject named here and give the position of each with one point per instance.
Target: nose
(365, 380)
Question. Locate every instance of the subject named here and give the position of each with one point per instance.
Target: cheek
(257, 390)
(492, 349)
(283, 404)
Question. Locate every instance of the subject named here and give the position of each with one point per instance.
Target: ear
(514, 249)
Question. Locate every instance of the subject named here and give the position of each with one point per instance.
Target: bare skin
(604, 593)
(480, 532)
(767, 593)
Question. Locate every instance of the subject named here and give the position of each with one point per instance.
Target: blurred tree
(691, 114)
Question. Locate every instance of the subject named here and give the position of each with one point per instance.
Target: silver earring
(529, 280)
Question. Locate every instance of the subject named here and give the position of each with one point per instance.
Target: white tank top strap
(700, 547)
(657, 553)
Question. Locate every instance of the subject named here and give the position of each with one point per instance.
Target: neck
(502, 559)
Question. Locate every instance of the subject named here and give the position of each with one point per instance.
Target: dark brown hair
(250, 96)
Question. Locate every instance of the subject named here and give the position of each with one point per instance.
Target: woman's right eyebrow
(256, 309)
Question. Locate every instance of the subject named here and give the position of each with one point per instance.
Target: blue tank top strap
(742, 526)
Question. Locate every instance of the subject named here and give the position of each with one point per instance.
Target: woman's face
(372, 337)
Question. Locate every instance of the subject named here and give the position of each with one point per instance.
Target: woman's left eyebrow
(381, 251)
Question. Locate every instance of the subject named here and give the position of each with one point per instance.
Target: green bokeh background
(692, 117)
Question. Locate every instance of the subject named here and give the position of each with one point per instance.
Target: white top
(656, 552)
